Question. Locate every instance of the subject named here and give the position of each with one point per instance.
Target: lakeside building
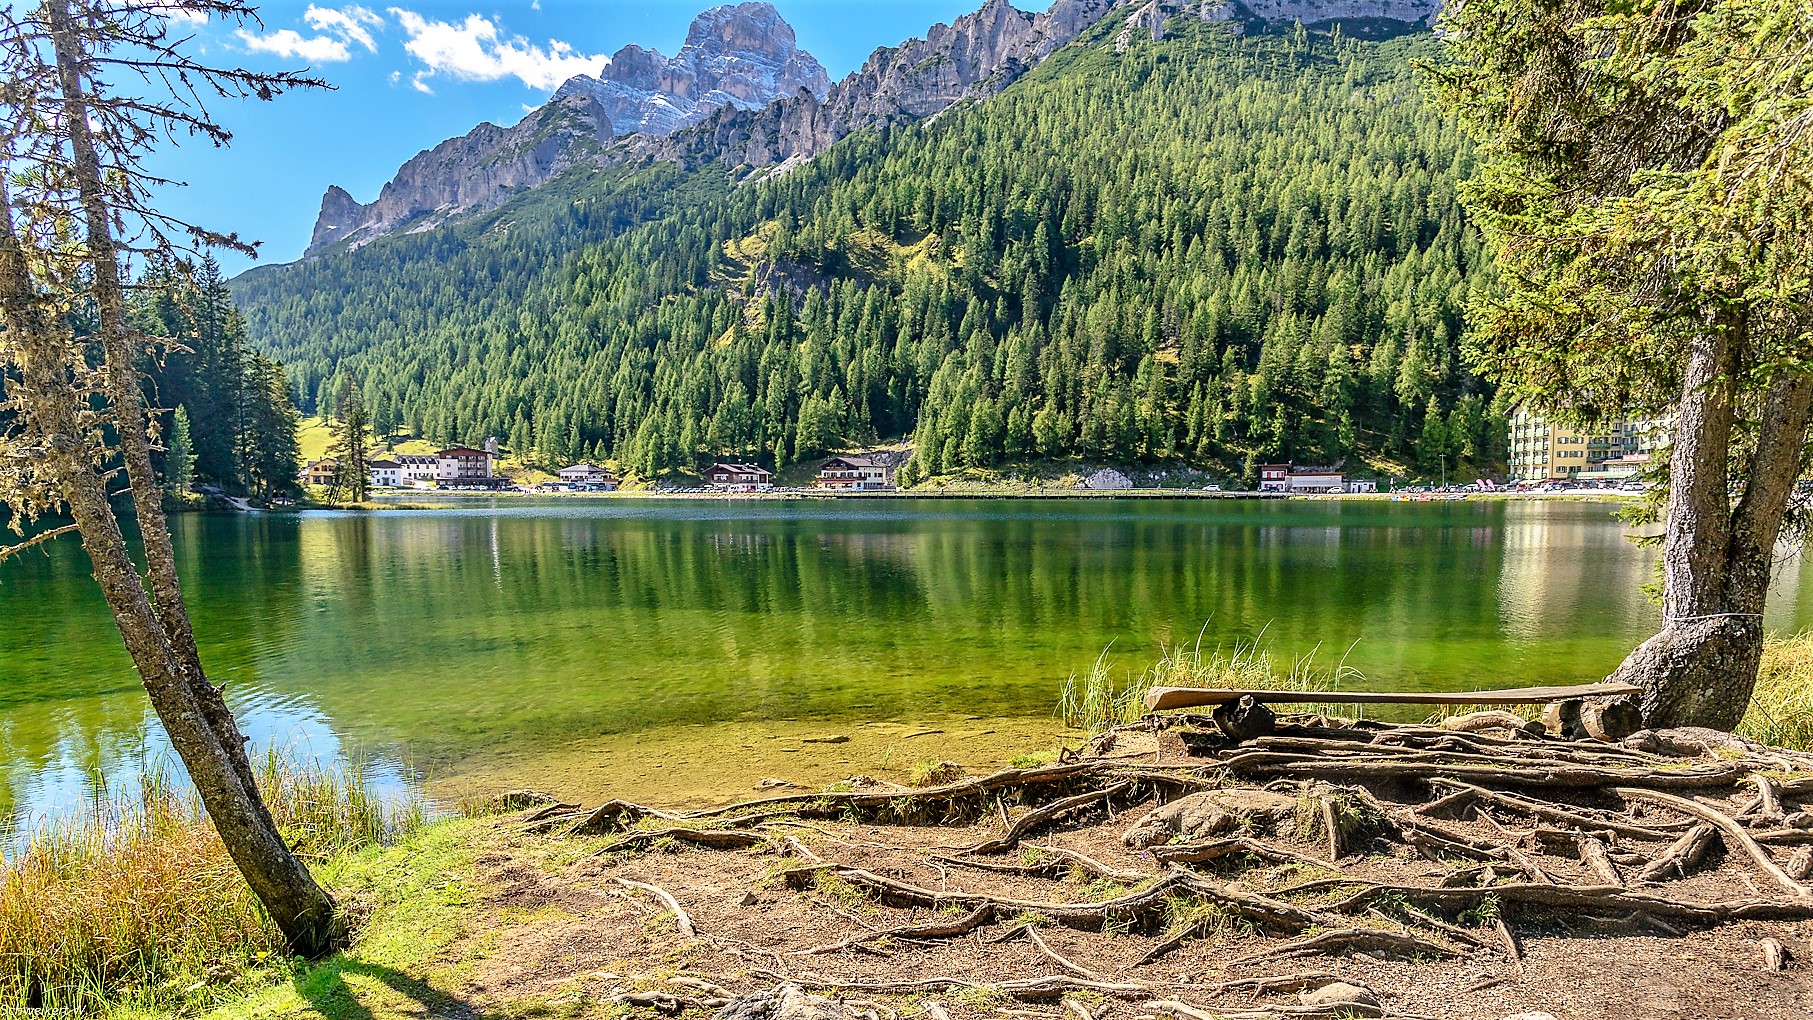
(587, 476)
(320, 472)
(739, 477)
(856, 472)
(462, 465)
(418, 469)
(1289, 478)
(1545, 452)
(386, 473)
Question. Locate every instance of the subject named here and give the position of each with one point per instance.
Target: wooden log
(1610, 721)
(1562, 719)
(1491, 719)
(1159, 699)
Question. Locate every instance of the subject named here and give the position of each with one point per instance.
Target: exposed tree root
(1371, 939)
(1039, 816)
(969, 922)
(1513, 829)
(1731, 829)
(1040, 989)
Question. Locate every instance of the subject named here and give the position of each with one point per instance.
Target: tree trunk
(1700, 669)
(154, 623)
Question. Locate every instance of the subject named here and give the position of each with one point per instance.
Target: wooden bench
(1242, 714)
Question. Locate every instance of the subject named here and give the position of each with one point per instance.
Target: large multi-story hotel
(1542, 452)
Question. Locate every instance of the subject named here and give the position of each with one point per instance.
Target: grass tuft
(136, 901)
(1781, 709)
(1097, 701)
(934, 773)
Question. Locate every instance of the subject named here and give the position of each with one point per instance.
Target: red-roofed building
(739, 477)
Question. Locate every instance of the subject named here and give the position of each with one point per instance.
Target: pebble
(1339, 994)
(1531, 1016)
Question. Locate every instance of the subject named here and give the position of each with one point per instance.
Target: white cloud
(287, 42)
(339, 30)
(419, 84)
(186, 16)
(348, 23)
(475, 50)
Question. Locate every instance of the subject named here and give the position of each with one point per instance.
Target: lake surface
(683, 648)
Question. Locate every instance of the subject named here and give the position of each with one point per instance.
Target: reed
(1099, 701)
(1781, 709)
(135, 901)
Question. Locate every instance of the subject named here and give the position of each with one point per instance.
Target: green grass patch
(1781, 709)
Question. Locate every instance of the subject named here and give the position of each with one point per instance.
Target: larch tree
(352, 431)
(87, 89)
(179, 455)
(1643, 181)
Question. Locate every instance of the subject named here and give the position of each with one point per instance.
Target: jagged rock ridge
(478, 170)
(974, 57)
(738, 57)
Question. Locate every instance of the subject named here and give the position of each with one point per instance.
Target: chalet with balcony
(856, 473)
(739, 478)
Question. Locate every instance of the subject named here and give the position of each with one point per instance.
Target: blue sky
(410, 75)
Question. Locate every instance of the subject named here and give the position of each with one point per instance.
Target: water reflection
(437, 638)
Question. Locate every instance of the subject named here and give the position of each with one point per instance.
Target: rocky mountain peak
(742, 28)
(743, 56)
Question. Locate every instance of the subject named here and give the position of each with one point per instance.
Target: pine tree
(352, 431)
(179, 457)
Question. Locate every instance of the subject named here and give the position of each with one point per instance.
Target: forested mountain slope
(1216, 248)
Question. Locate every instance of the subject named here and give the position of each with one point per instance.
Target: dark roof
(462, 451)
(382, 464)
(857, 460)
(741, 469)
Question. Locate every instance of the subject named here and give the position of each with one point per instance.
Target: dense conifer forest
(1216, 249)
(238, 405)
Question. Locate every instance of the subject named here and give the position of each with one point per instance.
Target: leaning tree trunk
(48, 401)
(1700, 669)
(155, 623)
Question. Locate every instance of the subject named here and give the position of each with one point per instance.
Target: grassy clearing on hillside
(136, 903)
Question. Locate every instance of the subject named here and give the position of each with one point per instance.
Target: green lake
(683, 649)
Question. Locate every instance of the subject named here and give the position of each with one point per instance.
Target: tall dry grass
(1781, 709)
(136, 900)
(1098, 701)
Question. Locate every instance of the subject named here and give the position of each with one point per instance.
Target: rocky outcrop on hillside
(737, 57)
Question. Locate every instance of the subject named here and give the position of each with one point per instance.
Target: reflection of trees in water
(72, 713)
(457, 634)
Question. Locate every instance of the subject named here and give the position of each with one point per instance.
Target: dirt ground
(817, 900)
